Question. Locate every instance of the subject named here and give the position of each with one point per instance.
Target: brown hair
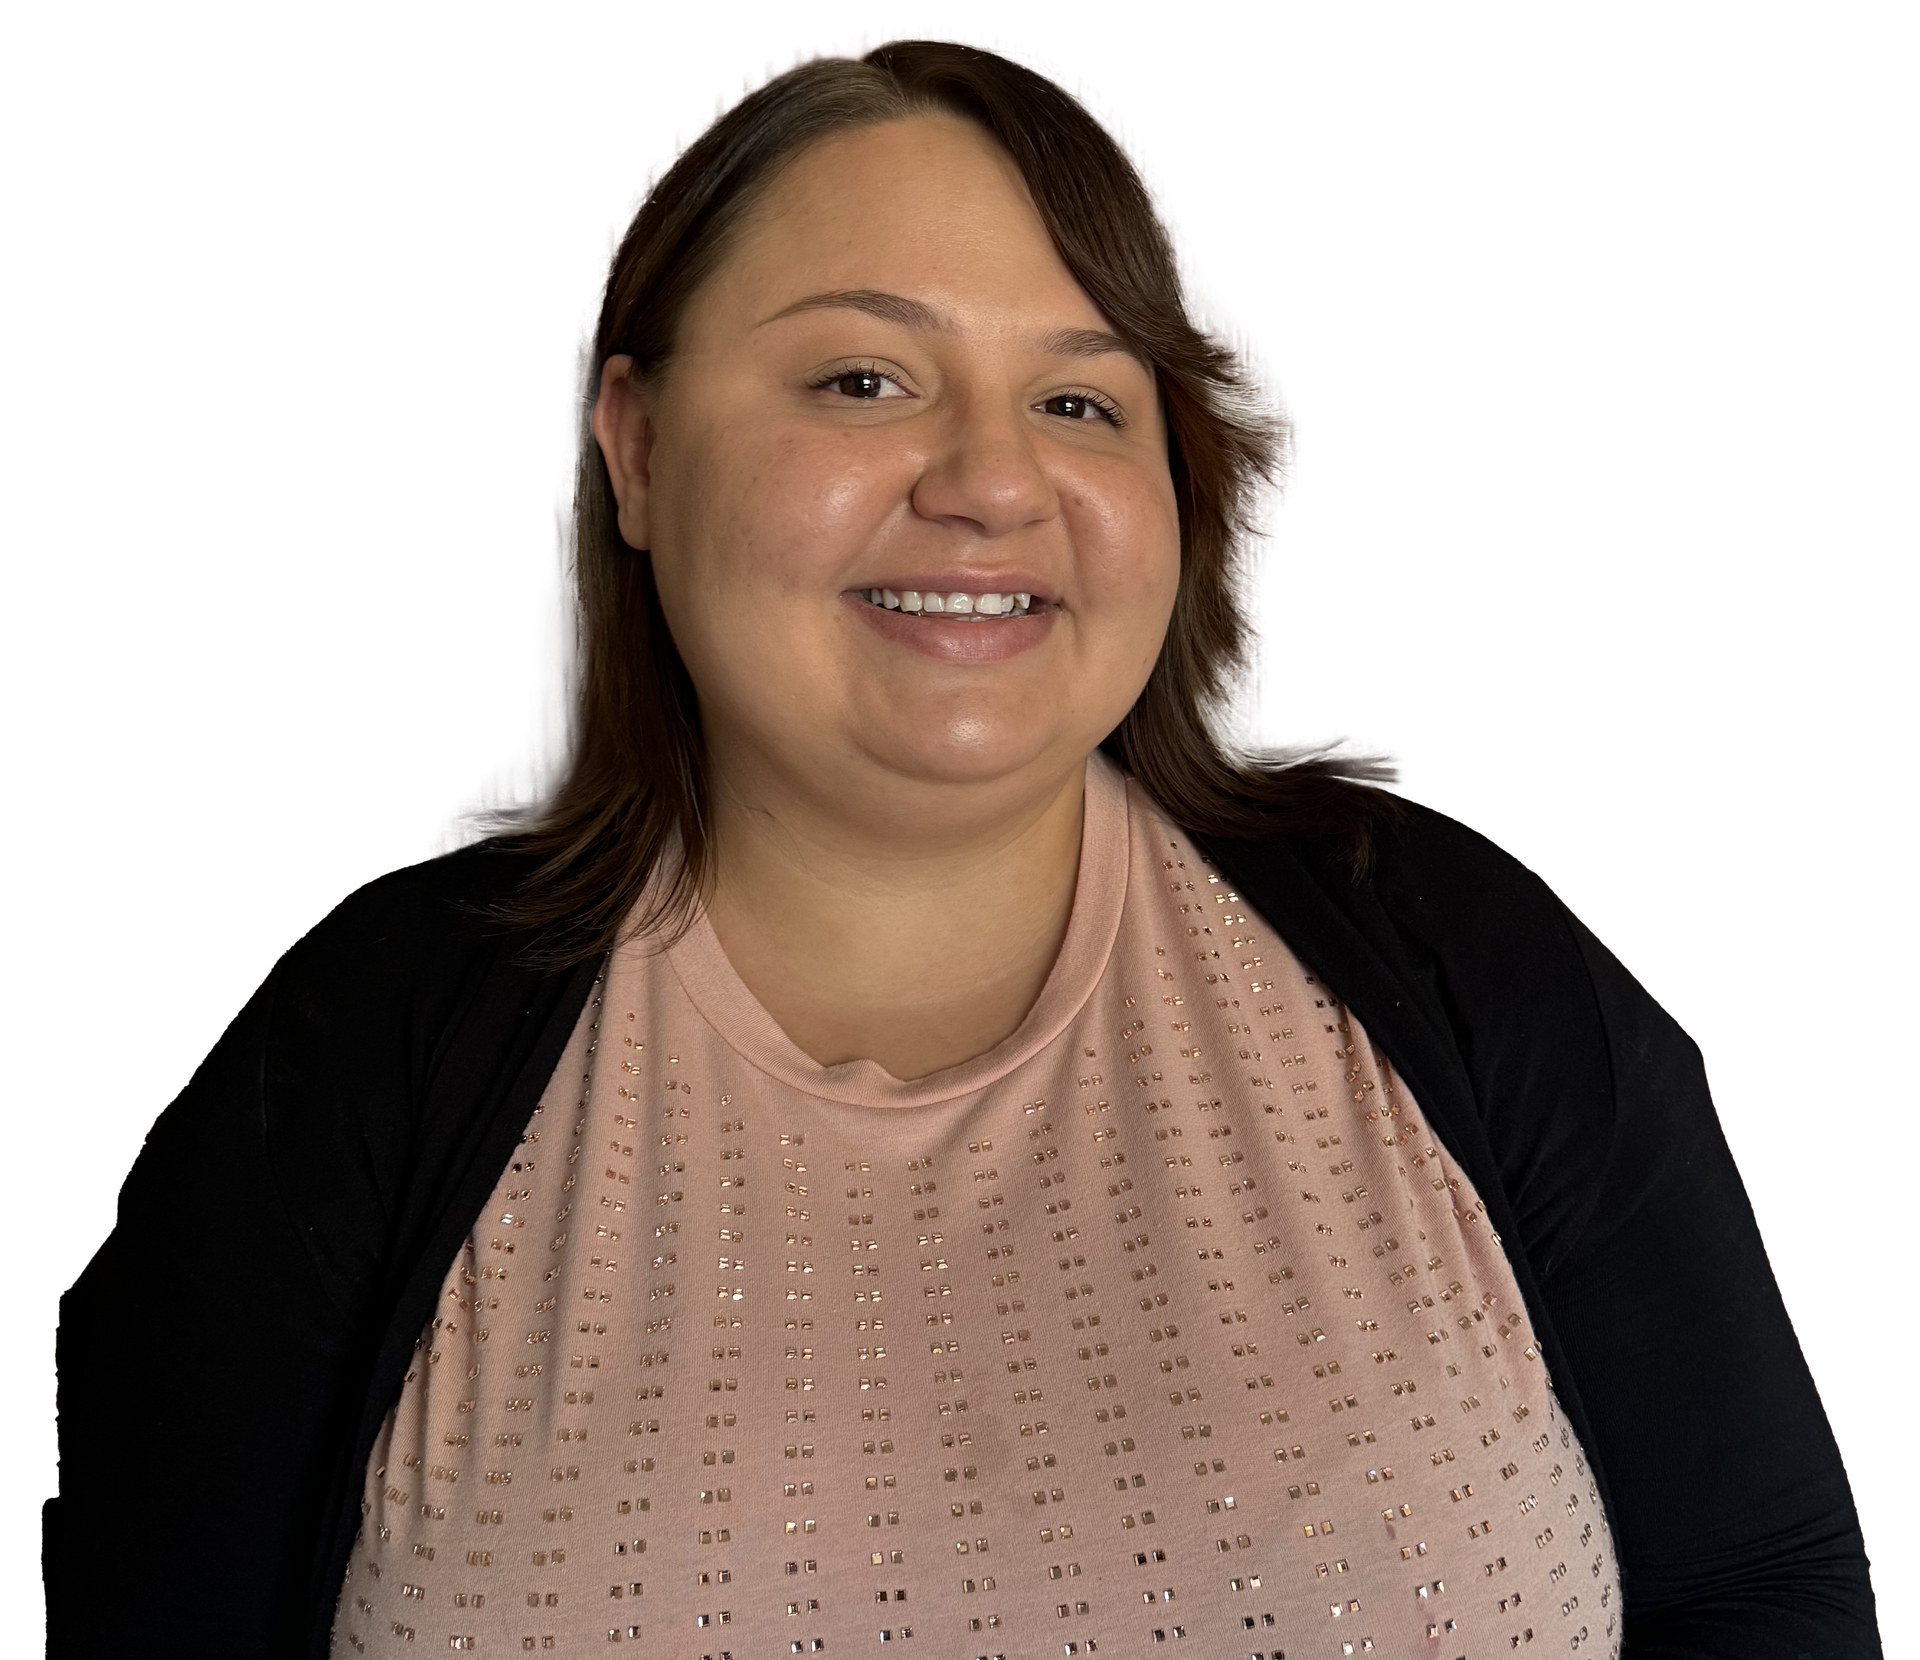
(635, 782)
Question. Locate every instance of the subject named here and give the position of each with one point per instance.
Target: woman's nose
(986, 472)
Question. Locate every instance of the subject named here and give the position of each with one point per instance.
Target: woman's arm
(213, 1355)
(1732, 1498)
(1732, 1516)
(279, 1244)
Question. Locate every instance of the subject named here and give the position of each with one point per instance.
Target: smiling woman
(911, 323)
(941, 414)
(916, 1141)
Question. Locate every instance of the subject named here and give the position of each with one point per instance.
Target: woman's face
(893, 385)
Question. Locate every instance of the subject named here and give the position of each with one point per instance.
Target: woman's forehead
(929, 207)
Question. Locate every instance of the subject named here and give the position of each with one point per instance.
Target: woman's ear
(623, 427)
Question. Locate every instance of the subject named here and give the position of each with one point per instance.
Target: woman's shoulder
(1465, 965)
(1510, 951)
(1450, 883)
(1438, 883)
(1453, 951)
(453, 892)
(439, 910)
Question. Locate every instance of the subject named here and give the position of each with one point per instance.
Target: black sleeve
(1732, 1517)
(226, 1358)
(214, 1356)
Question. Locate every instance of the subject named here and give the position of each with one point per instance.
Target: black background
(1575, 528)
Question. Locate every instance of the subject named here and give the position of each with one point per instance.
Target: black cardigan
(228, 1356)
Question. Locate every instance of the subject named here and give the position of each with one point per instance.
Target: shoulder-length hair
(634, 793)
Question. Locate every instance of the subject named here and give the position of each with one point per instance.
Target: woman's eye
(863, 383)
(1077, 406)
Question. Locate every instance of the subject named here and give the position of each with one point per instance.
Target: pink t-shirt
(1164, 1327)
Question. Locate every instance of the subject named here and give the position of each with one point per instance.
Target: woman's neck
(916, 934)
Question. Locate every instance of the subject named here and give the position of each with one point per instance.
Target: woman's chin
(980, 750)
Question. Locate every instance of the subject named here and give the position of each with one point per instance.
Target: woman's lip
(958, 639)
(963, 582)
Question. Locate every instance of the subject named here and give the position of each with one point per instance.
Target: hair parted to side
(634, 794)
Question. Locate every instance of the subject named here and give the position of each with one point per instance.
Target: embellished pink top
(1165, 1327)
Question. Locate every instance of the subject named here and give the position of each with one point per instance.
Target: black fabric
(1580, 1111)
(284, 1234)
(227, 1357)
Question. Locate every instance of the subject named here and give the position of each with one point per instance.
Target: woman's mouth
(952, 624)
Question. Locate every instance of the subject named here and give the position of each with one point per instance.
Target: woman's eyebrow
(889, 308)
(1086, 343)
(915, 314)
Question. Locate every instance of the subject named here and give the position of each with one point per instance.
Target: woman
(917, 1144)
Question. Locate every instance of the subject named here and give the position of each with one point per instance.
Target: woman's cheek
(860, 482)
(843, 501)
(809, 511)
(1129, 538)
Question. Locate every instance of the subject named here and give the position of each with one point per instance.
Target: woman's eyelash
(848, 371)
(1109, 410)
(1099, 400)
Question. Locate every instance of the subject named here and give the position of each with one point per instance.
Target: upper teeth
(956, 604)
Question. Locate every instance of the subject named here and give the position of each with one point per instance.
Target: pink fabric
(538, 760)
(1164, 1322)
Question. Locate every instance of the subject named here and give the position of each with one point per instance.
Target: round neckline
(741, 1022)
